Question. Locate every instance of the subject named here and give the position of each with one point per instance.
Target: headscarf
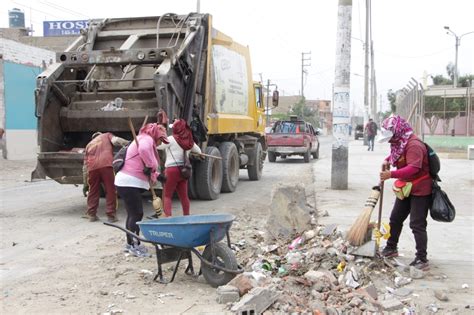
(155, 131)
(182, 134)
(402, 131)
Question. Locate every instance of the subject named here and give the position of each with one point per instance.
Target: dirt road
(54, 261)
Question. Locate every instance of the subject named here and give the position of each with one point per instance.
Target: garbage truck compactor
(133, 67)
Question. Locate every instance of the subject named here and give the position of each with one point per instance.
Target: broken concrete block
(256, 301)
(391, 304)
(320, 275)
(329, 229)
(243, 283)
(401, 281)
(441, 295)
(227, 294)
(289, 213)
(402, 292)
(371, 290)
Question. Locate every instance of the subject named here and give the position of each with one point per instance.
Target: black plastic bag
(442, 209)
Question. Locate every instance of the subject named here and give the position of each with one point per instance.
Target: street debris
(299, 267)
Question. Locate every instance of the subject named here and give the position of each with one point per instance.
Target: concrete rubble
(311, 270)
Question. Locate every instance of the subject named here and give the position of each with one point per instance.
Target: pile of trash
(311, 271)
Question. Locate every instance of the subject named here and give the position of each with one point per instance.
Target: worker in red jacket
(98, 163)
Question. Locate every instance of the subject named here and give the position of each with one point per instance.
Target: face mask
(385, 135)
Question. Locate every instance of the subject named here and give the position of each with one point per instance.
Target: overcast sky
(408, 36)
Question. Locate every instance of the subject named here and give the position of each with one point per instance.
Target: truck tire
(316, 154)
(209, 176)
(307, 155)
(192, 193)
(271, 156)
(230, 166)
(225, 257)
(255, 170)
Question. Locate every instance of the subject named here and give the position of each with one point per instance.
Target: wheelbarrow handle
(128, 232)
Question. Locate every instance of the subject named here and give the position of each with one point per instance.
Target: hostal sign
(63, 28)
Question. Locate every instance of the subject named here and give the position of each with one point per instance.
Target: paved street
(450, 245)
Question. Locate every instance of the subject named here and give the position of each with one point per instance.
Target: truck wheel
(209, 176)
(255, 170)
(192, 193)
(316, 154)
(271, 156)
(283, 156)
(306, 155)
(225, 257)
(230, 166)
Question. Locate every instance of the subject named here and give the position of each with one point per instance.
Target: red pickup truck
(292, 137)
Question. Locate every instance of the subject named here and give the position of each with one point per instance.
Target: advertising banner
(230, 71)
(63, 28)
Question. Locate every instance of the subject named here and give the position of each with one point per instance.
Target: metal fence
(437, 110)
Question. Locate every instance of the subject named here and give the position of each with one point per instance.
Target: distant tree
(392, 99)
(450, 70)
(440, 80)
(304, 112)
(445, 109)
(466, 80)
(439, 108)
(433, 109)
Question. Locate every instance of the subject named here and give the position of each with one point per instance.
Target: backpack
(433, 162)
(119, 159)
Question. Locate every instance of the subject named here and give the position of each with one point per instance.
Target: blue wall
(20, 83)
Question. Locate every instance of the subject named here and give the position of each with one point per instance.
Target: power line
(36, 10)
(63, 9)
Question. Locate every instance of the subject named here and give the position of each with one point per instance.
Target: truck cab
(292, 137)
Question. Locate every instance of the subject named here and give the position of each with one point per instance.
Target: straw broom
(358, 232)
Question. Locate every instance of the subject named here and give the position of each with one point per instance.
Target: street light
(457, 44)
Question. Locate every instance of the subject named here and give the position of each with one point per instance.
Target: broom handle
(380, 201)
(132, 129)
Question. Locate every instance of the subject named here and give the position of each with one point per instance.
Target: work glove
(85, 190)
(161, 178)
(147, 171)
(85, 176)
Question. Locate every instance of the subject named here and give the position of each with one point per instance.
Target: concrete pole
(341, 97)
(366, 69)
(455, 83)
(302, 74)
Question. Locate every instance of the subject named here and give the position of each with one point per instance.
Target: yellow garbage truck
(123, 68)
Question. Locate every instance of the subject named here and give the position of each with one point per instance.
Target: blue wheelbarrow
(174, 238)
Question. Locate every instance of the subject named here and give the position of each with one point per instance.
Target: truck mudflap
(63, 167)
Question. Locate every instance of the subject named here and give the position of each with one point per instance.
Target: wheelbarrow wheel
(224, 258)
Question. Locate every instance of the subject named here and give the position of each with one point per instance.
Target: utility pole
(267, 110)
(373, 84)
(341, 97)
(198, 6)
(366, 68)
(303, 70)
(457, 43)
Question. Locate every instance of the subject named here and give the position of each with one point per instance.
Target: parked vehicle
(292, 137)
(359, 132)
(133, 67)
